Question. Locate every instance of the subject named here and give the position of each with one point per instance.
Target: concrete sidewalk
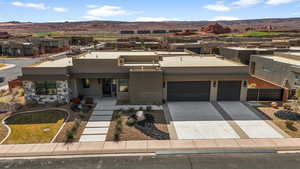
(7, 66)
(150, 146)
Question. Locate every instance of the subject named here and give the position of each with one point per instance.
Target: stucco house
(282, 68)
(137, 78)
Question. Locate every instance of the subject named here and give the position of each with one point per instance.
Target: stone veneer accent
(62, 96)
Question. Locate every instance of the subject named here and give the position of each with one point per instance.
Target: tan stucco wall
(96, 66)
(94, 90)
(145, 87)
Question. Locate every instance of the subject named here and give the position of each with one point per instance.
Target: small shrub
(75, 108)
(130, 122)
(290, 125)
(81, 115)
(148, 108)
(141, 108)
(287, 106)
(118, 129)
(21, 92)
(118, 115)
(77, 122)
(70, 135)
(85, 108)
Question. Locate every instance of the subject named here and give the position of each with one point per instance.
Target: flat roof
(292, 53)
(196, 61)
(56, 63)
(282, 60)
(171, 53)
(114, 55)
(243, 48)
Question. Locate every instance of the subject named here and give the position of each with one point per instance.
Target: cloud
(217, 7)
(106, 11)
(278, 2)
(29, 5)
(59, 9)
(245, 3)
(92, 6)
(91, 17)
(224, 18)
(155, 19)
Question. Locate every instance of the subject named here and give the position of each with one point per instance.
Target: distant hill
(286, 24)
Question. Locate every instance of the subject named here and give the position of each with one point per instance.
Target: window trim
(45, 87)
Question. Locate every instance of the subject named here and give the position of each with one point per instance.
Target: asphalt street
(204, 161)
(13, 73)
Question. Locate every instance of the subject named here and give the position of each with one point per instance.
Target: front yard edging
(32, 111)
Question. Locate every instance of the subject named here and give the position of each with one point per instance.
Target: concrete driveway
(199, 120)
(249, 121)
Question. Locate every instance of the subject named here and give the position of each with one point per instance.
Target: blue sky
(145, 10)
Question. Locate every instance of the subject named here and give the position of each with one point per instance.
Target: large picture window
(123, 85)
(46, 88)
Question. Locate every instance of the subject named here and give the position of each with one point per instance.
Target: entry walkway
(97, 127)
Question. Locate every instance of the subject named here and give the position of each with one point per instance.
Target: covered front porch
(100, 87)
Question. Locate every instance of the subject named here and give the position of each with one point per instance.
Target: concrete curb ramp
(150, 146)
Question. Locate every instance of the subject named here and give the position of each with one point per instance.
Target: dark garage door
(229, 90)
(189, 91)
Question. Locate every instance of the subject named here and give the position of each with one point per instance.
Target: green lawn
(37, 127)
(47, 34)
(251, 34)
(106, 38)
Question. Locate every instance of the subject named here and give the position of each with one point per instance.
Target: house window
(45, 88)
(297, 80)
(86, 83)
(123, 85)
(267, 69)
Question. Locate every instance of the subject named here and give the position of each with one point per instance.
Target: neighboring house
(282, 69)
(5, 35)
(81, 40)
(137, 78)
(243, 54)
(18, 49)
(51, 45)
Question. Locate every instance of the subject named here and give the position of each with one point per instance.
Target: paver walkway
(97, 127)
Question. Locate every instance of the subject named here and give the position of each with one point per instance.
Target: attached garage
(188, 91)
(229, 90)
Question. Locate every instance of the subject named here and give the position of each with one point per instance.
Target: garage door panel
(188, 91)
(229, 90)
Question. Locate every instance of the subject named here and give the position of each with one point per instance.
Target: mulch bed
(131, 133)
(61, 138)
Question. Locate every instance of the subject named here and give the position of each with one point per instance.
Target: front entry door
(107, 87)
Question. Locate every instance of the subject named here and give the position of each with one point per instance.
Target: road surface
(210, 161)
(13, 73)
